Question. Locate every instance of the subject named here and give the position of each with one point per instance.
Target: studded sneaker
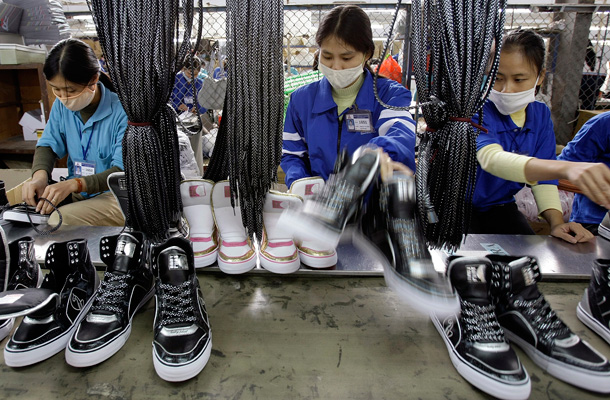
(47, 331)
(604, 227)
(6, 325)
(182, 341)
(475, 341)
(390, 228)
(127, 286)
(530, 322)
(196, 197)
(594, 308)
(310, 252)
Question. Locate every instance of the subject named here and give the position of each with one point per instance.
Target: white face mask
(340, 78)
(80, 101)
(510, 103)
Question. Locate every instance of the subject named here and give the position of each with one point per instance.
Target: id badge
(359, 121)
(188, 100)
(84, 168)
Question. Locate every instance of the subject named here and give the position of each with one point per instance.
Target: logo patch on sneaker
(197, 191)
(178, 262)
(227, 191)
(122, 183)
(475, 272)
(125, 248)
(311, 189)
(528, 276)
(277, 204)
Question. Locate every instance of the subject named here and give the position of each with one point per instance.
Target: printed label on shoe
(277, 204)
(10, 299)
(528, 276)
(494, 248)
(124, 248)
(227, 191)
(197, 191)
(122, 183)
(311, 189)
(178, 261)
(475, 272)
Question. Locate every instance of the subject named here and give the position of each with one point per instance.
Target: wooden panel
(29, 87)
(8, 87)
(9, 126)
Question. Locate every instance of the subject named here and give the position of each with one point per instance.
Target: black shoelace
(29, 213)
(543, 319)
(481, 324)
(176, 305)
(112, 293)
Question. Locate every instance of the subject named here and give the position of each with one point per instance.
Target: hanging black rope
(452, 42)
(139, 40)
(248, 147)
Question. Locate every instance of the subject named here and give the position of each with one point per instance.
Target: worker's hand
(571, 232)
(194, 110)
(388, 167)
(593, 179)
(56, 193)
(33, 189)
(183, 107)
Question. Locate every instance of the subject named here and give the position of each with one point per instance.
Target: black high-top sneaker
(5, 261)
(391, 224)
(117, 183)
(127, 286)
(594, 308)
(182, 336)
(24, 270)
(47, 331)
(323, 218)
(530, 322)
(3, 198)
(475, 341)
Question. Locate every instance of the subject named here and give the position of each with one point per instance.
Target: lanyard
(86, 150)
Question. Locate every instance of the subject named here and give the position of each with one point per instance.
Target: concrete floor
(295, 338)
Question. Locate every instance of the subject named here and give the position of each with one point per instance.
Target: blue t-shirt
(182, 93)
(98, 140)
(535, 139)
(311, 128)
(591, 144)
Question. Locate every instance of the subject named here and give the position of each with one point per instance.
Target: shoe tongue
(523, 280)
(468, 278)
(173, 266)
(125, 252)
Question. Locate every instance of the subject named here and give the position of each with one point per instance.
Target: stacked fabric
(42, 22)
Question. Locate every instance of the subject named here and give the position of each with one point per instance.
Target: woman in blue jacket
(340, 111)
(86, 123)
(591, 144)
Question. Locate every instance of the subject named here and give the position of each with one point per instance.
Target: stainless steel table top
(558, 260)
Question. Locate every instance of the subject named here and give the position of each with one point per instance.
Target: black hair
(350, 25)
(189, 63)
(529, 43)
(74, 60)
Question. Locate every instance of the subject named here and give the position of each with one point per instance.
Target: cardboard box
(17, 54)
(31, 121)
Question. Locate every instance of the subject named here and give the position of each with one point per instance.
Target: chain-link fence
(577, 62)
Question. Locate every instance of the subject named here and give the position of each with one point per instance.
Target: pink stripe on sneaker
(201, 239)
(280, 244)
(234, 244)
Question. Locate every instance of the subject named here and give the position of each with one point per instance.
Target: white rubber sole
(591, 322)
(321, 261)
(479, 379)
(418, 300)
(276, 267)
(579, 377)
(174, 373)
(22, 358)
(309, 229)
(206, 260)
(234, 268)
(89, 358)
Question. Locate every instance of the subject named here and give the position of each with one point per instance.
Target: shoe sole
(206, 260)
(22, 358)
(237, 268)
(172, 373)
(89, 358)
(287, 267)
(579, 377)
(424, 302)
(603, 232)
(478, 378)
(323, 261)
(592, 323)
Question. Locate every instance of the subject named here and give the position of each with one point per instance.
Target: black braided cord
(248, 147)
(144, 51)
(452, 43)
